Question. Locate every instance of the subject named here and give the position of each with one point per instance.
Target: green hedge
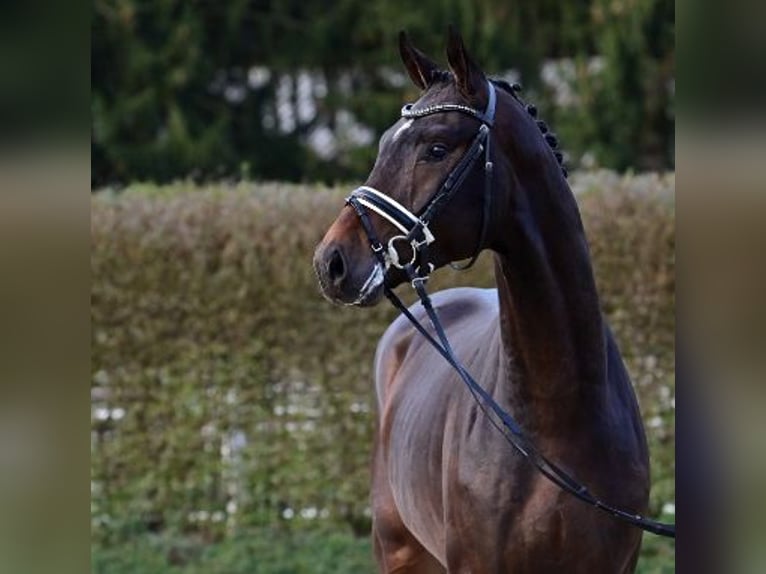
(228, 395)
(258, 551)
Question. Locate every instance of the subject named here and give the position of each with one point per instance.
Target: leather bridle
(416, 234)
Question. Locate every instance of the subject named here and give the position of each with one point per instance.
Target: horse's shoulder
(451, 305)
(462, 309)
(466, 300)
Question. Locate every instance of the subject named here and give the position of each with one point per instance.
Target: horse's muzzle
(345, 281)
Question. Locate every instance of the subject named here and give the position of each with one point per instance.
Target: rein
(416, 235)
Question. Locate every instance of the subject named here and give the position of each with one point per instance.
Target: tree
(216, 90)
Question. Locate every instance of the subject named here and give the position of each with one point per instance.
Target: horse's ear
(469, 78)
(419, 66)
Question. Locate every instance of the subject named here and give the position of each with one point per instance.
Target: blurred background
(301, 90)
(231, 406)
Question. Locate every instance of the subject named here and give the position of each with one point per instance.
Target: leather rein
(415, 237)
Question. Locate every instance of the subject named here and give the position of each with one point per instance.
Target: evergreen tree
(192, 89)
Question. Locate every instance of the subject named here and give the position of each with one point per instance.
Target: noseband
(415, 234)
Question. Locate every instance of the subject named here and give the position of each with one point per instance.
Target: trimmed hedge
(228, 395)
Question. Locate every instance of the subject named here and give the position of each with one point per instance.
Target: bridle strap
(398, 215)
(486, 117)
(375, 245)
(457, 176)
(487, 211)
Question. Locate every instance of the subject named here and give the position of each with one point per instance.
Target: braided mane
(550, 137)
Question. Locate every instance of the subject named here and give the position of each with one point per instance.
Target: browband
(486, 117)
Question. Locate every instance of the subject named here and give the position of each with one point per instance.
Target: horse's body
(449, 494)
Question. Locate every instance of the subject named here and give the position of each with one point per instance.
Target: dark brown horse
(448, 493)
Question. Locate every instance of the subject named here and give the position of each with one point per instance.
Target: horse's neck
(550, 317)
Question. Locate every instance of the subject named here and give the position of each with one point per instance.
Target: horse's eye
(437, 151)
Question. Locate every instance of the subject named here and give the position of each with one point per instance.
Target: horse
(447, 492)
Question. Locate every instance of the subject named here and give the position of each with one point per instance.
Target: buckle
(428, 237)
(420, 280)
(393, 254)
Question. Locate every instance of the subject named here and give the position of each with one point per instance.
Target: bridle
(416, 234)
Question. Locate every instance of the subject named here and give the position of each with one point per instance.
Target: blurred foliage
(257, 551)
(201, 89)
(228, 397)
(271, 551)
(624, 114)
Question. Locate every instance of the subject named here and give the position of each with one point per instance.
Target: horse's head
(417, 157)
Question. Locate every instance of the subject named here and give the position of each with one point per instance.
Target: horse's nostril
(336, 267)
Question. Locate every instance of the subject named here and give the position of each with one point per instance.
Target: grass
(269, 551)
(263, 551)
